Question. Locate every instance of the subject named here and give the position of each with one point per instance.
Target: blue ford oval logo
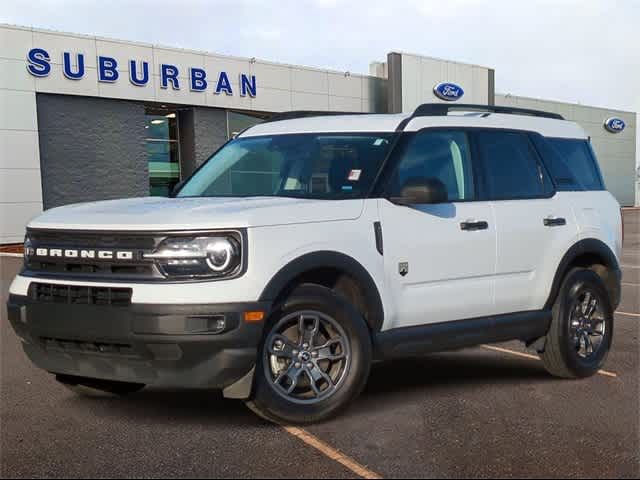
(615, 125)
(448, 91)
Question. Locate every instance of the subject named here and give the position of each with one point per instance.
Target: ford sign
(448, 91)
(614, 125)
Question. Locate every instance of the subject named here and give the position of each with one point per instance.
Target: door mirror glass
(418, 191)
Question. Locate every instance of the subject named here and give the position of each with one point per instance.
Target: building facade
(85, 118)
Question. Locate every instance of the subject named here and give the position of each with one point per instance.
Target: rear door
(439, 259)
(573, 166)
(534, 225)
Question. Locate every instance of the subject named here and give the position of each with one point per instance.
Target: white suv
(313, 244)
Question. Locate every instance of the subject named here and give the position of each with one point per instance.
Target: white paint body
(453, 274)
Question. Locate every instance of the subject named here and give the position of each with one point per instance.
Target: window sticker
(347, 188)
(354, 175)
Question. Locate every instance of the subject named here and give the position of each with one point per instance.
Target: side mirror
(418, 191)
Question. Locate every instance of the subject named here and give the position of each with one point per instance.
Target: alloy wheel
(587, 324)
(306, 357)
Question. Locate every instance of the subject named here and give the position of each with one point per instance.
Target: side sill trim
(437, 337)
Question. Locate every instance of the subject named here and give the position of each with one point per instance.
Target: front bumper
(164, 345)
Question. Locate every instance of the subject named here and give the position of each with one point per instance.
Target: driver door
(440, 259)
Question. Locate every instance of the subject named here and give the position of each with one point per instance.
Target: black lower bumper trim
(194, 346)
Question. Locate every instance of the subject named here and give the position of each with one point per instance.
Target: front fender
(329, 259)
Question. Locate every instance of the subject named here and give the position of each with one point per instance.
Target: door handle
(471, 225)
(554, 222)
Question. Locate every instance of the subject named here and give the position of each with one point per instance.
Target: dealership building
(85, 118)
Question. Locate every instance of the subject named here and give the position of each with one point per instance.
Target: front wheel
(314, 360)
(581, 331)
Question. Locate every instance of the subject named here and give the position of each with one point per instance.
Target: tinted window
(572, 165)
(511, 168)
(444, 155)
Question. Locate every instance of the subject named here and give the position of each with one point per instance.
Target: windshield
(324, 166)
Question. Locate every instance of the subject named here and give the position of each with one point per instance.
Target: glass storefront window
(237, 122)
(163, 152)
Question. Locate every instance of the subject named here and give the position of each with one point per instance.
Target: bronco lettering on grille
(43, 252)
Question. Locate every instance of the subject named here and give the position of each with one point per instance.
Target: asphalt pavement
(477, 412)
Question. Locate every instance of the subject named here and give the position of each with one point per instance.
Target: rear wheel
(581, 331)
(93, 387)
(314, 360)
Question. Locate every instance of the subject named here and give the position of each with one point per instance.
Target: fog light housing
(207, 324)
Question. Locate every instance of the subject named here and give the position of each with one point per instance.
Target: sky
(582, 51)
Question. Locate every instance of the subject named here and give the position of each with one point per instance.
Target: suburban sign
(109, 71)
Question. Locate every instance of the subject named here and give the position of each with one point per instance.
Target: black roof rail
(305, 114)
(442, 109)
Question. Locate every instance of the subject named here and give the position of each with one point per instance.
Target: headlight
(28, 248)
(207, 257)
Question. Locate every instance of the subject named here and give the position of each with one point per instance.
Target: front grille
(93, 239)
(93, 269)
(136, 268)
(81, 346)
(79, 295)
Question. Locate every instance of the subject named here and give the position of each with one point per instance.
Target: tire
(92, 387)
(343, 376)
(565, 348)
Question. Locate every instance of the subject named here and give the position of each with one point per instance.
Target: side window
(510, 166)
(573, 165)
(444, 155)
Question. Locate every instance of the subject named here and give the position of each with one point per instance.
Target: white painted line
(534, 357)
(630, 314)
(331, 452)
(12, 255)
(511, 352)
(630, 266)
(627, 284)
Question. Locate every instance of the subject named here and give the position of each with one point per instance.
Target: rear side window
(573, 165)
(510, 166)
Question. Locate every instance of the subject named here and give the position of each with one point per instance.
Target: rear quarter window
(572, 164)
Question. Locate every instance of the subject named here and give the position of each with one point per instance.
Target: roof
(353, 123)
(329, 124)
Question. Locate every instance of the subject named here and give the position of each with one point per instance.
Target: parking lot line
(331, 452)
(8, 254)
(630, 314)
(534, 357)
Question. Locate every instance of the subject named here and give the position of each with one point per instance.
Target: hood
(162, 214)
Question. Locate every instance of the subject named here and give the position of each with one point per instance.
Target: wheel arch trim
(338, 261)
(582, 247)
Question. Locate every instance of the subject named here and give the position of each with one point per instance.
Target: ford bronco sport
(313, 244)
